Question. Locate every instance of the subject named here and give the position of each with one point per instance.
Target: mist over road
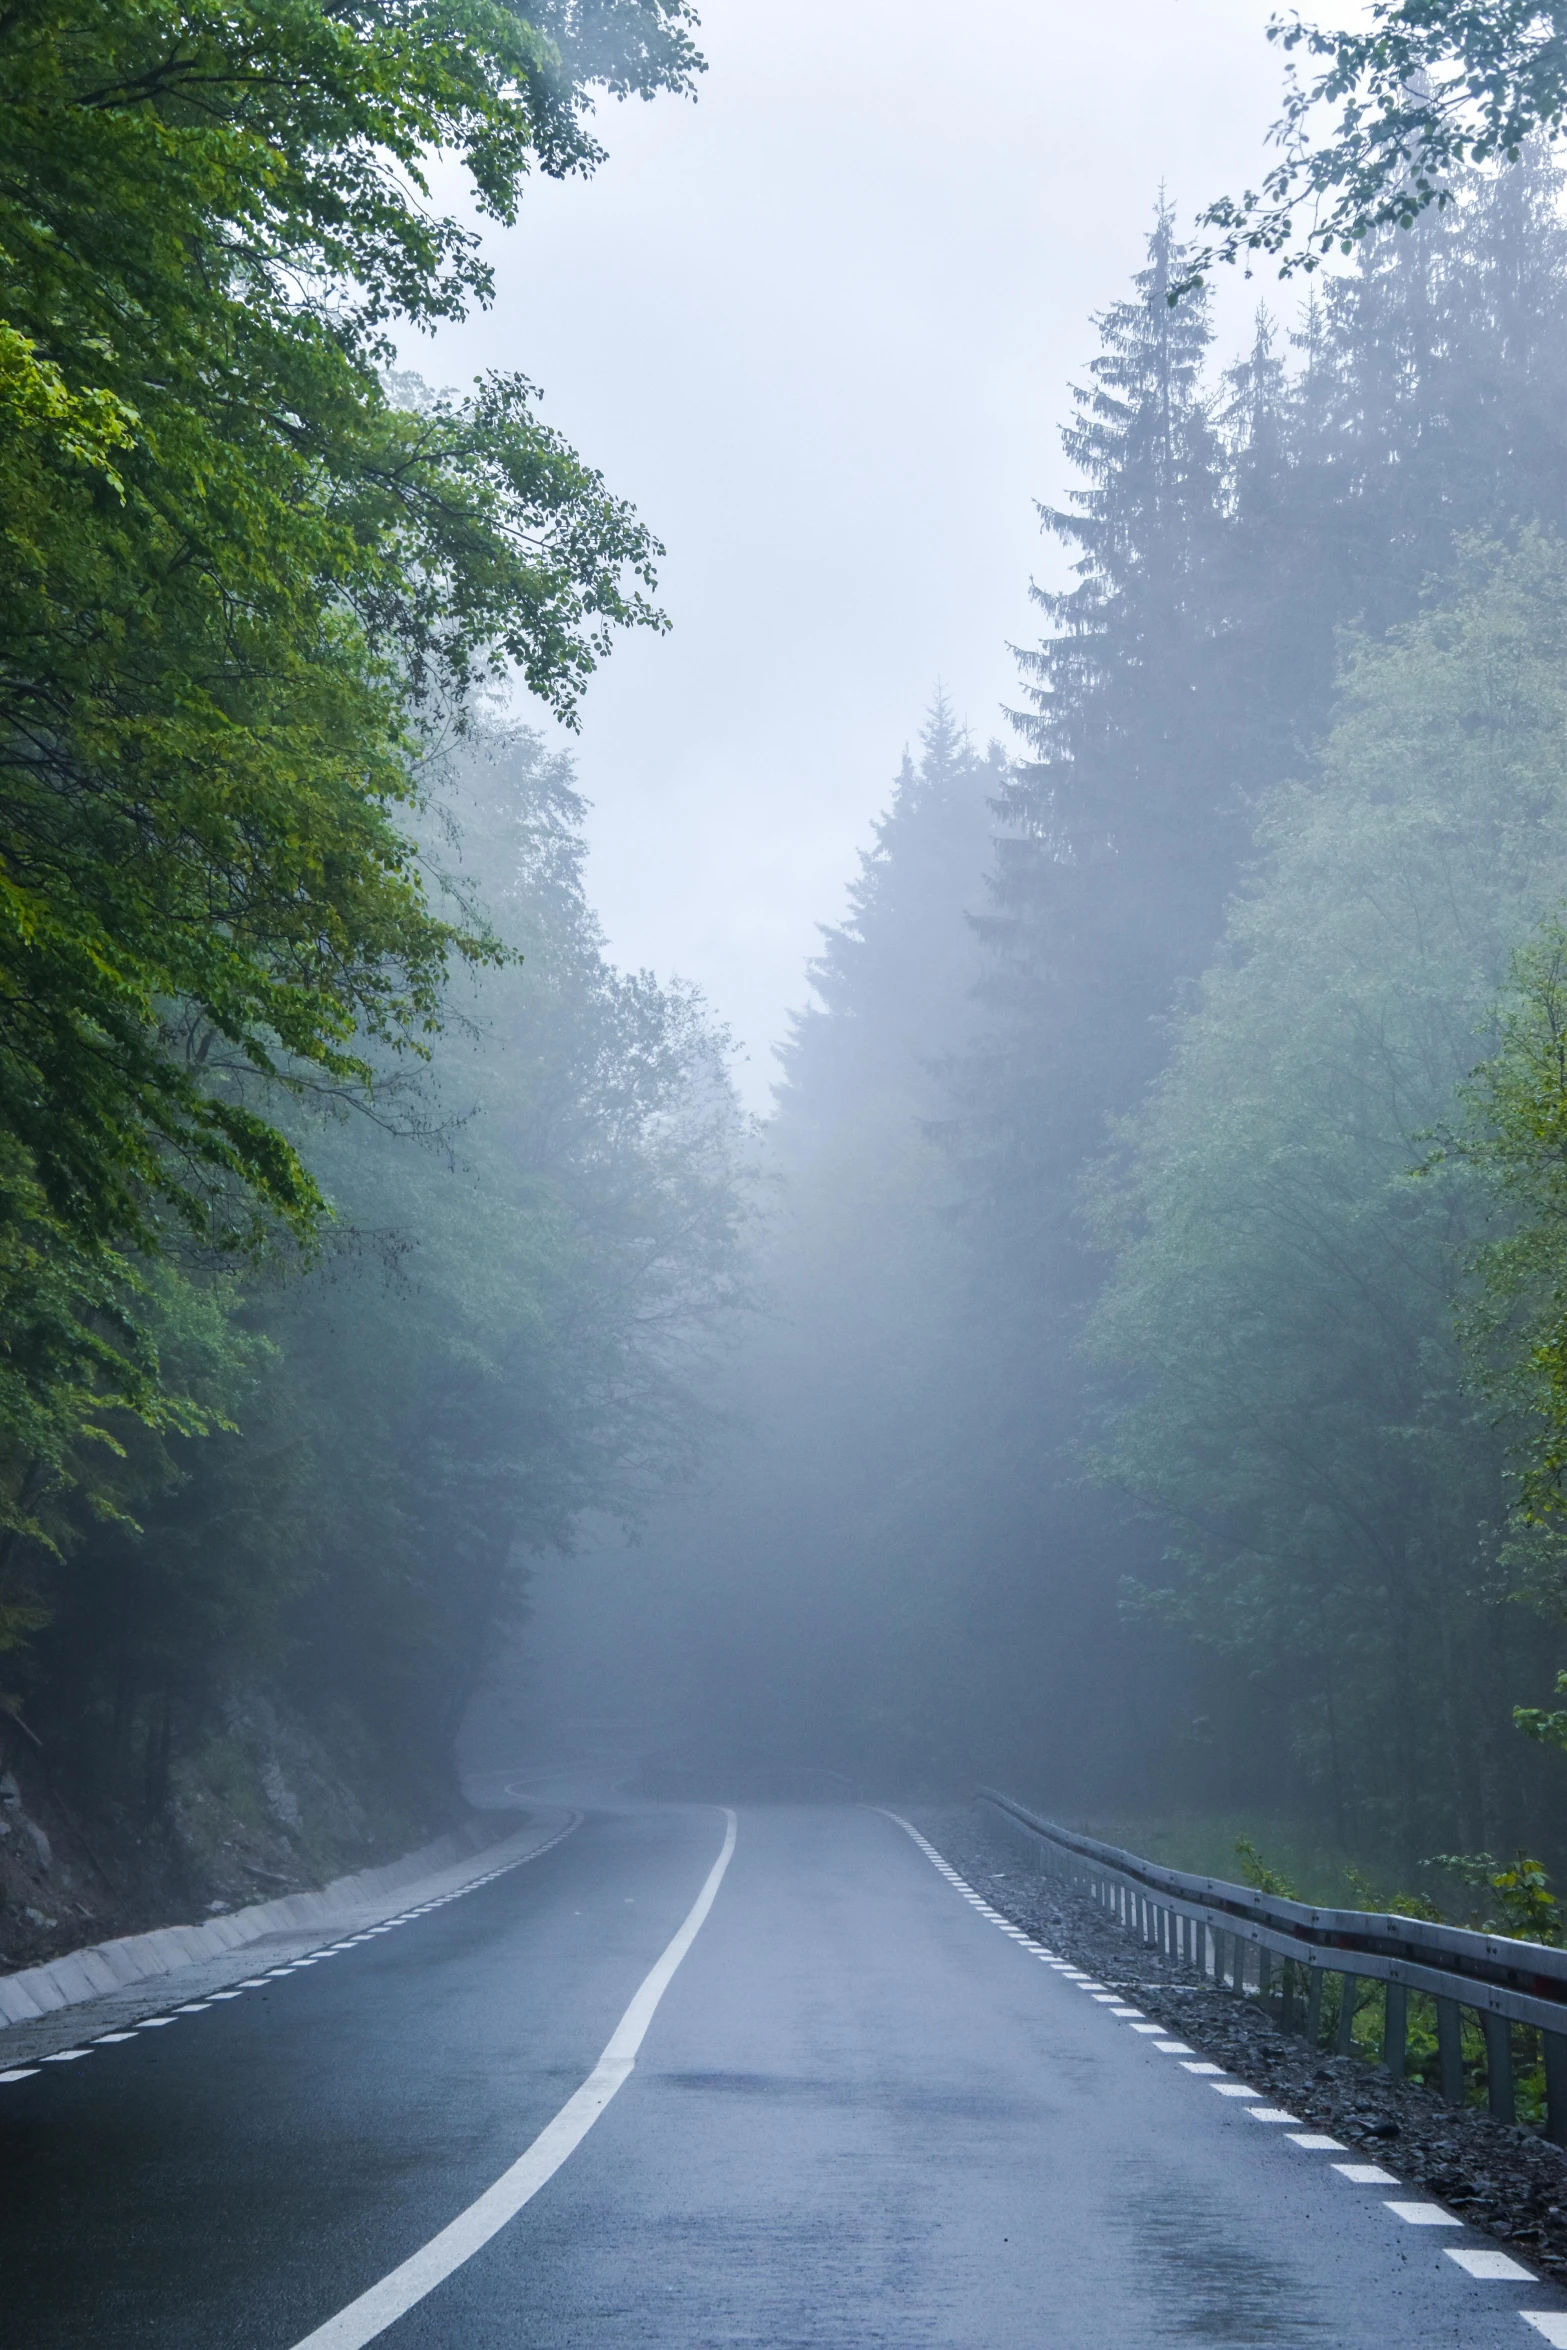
(864, 2111)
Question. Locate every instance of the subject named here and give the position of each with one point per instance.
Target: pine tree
(893, 982)
(1120, 832)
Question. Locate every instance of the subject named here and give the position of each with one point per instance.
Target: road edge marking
(361, 2320)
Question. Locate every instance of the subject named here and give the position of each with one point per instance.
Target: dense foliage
(527, 1248)
(1285, 1292)
(242, 593)
(329, 1287)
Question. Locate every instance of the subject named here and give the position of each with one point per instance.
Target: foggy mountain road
(865, 2111)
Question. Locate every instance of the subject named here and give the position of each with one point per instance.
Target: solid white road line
(381, 2307)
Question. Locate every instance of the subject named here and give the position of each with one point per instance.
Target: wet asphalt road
(862, 2115)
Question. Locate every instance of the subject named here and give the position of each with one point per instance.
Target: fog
(1042, 1394)
(819, 326)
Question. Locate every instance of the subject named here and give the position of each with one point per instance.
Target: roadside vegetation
(356, 1216)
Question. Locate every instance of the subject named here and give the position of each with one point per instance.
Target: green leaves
(1426, 91)
(1545, 1727)
(240, 590)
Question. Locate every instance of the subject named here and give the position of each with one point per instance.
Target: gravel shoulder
(1504, 2179)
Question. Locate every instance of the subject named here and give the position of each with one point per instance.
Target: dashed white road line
(1486, 2265)
(1493, 2267)
(156, 2023)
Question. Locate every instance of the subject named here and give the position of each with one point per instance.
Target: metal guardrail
(1232, 1934)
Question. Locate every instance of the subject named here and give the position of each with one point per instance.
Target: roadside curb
(106, 1967)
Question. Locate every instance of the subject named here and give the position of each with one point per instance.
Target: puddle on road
(1210, 2280)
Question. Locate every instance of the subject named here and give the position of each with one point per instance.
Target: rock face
(256, 1803)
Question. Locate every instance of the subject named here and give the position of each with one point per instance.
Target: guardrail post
(1554, 2047)
(1287, 1995)
(1450, 2049)
(1349, 1997)
(1314, 2006)
(1395, 2029)
(1498, 2064)
(1264, 1971)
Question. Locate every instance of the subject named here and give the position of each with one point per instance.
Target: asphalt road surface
(862, 2112)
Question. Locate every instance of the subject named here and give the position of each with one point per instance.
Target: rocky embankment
(264, 1804)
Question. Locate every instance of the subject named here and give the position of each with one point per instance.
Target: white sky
(819, 328)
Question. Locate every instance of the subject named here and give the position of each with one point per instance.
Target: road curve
(862, 2113)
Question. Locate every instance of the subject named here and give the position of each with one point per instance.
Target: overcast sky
(819, 327)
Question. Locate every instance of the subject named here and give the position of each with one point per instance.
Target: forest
(1159, 1409)
(359, 1220)
(1129, 1363)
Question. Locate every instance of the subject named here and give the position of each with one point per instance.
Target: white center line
(385, 2303)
